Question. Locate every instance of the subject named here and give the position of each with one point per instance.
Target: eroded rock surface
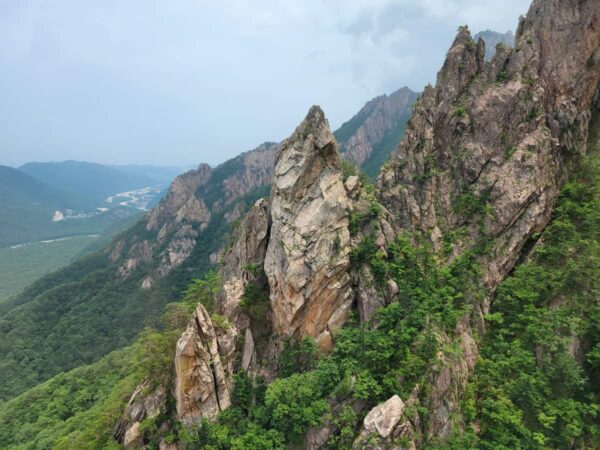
(307, 256)
(202, 387)
(487, 150)
(383, 425)
(142, 405)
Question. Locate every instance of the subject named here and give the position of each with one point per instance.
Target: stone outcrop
(202, 387)
(142, 405)
(307, 256)
(207, 357)
(181, 203)
(384, 426)
(380, 118)
(487, 150)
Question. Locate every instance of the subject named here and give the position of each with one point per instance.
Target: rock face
(377, 127)
(141, 406)
(202, 388)
(307, 256)
(181, 202)
(488, 148)
(194, 199)
(205, 359)
(383, 425)
(174, 225)
(239, 176)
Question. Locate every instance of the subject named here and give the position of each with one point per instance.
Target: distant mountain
(29, 206)
(369, 137)
(94, 182)
(160, 174)
(492, 39)
(18, 186)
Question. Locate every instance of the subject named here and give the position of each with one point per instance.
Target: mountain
(142, 270)
(110, 295)
(492, 39)
(369, 137)
(366, 310)
(29, 206)
(93, 182)
(20, 187)
(453, 304)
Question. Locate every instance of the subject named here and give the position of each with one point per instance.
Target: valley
(23, 264)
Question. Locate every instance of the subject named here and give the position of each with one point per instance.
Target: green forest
(532, 388)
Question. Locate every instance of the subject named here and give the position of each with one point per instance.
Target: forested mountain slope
(93, 182)
(450, 305)
(365, 309)
(28, 206)
(115, 292)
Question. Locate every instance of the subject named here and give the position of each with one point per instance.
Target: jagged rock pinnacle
(307, 255)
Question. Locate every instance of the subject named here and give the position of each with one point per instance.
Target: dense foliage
(367, 363)
(84, 311)
(75, 409)
(23, 265)
(79, 408)
(537, 382)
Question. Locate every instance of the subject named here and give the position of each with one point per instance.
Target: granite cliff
(475, 178)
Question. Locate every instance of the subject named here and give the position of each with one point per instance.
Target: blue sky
(178, 82)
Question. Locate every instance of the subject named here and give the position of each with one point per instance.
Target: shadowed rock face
(502, 134)
(307, 256)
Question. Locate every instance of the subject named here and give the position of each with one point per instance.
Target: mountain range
(451, 303)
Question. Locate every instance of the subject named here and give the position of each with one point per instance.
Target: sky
(179, 82)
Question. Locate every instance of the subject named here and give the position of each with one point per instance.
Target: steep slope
(485, 154)
(102, 301)
(464, 197)
(369, 137)
(536, 382)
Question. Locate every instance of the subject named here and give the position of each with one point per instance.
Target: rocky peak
(487, 150)
(181, 202)
(368, 138)
(307, 256)
(463, 61)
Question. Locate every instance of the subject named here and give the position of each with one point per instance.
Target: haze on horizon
(178, 82)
